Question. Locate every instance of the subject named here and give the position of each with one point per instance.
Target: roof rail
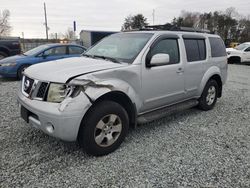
(171, 27)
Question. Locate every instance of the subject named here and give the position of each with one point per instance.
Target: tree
(69, 34)
(134, 22)
(230, 25)
(5, 27)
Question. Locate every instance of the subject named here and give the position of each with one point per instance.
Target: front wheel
(209, 95)
(104, 128)
(20, 71)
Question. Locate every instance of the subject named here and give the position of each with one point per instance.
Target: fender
(94, 89)
(208, 74)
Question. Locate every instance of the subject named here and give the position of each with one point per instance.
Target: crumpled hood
(62, 70)
(12, 59)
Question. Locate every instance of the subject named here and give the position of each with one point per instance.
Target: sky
(27, 16)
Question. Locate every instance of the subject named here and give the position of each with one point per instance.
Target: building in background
(89, 38)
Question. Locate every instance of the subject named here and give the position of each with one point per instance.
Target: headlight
(228, 53)
(58, 92)
(8, 64)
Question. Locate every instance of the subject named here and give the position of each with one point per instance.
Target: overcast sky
(28, 15)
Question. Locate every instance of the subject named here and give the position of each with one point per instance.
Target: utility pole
(153, 16)
(46, 23)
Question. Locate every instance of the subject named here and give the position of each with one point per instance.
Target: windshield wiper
(107, 58)
(102, 57)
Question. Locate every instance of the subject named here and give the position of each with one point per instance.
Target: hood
(12, 59)
(230, 49)
(62, 70)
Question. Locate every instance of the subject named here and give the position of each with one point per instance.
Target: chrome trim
(34, 89)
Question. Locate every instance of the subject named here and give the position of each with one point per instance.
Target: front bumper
(8, 71)
(60, 120)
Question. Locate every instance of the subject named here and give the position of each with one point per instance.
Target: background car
(239, 54)
(9, 46)
(15, 65)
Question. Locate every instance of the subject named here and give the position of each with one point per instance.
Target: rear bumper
(60, 120)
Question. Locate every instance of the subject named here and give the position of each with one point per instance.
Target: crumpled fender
(95, 88)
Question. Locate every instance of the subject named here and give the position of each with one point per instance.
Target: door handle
(180, 70)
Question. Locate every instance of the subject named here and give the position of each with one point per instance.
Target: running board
(160, 113)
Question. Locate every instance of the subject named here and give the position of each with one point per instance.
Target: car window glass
(167, 46)
(75, 50)
(60, 50)
(195, 49)
(218, 48)
(247, 50)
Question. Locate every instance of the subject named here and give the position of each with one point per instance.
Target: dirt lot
(188, 149)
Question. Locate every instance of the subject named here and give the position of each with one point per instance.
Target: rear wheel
(209, 95)
(3, 55)
(21, 70)
(104, 128)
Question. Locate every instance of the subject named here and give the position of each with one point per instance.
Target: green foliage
(229, 24)
(134, 22)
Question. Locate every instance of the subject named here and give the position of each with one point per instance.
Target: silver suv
(125, 79)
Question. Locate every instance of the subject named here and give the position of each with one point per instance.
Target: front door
(246, 55)
(163, 85)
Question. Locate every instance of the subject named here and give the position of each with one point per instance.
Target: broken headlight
(58, 92)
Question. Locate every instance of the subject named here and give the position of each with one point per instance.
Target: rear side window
(167, 46)
(75, 50)
(218, 48)
(195, 49)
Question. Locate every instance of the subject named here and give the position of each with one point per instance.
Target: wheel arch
(212, 73)
(5, 50)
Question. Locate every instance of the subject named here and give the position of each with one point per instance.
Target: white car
(239, 54)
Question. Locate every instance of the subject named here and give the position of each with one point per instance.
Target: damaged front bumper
(60, 120)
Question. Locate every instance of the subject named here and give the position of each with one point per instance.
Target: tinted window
(218, 48)
(167, 46)
(195, 49)
(60, 50)
(75, 50)
(247, 50)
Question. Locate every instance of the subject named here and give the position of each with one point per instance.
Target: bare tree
(69, 34)
(5, 27)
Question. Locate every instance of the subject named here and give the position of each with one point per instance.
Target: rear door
(196, 57)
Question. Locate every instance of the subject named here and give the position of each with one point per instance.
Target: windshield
(123, 47)
(241, 47)
(36, 50)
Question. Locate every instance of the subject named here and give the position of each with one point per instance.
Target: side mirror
(159, 59)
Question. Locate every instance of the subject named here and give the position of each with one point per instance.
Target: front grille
(42, 90)
(34, 89)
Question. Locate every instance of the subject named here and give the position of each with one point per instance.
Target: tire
(3, 55)
(234, 60)
(96, 135)
(209, 96)
(20, 71)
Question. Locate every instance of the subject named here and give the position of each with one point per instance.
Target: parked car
(15, 65)
(9, 46)
(125, 79)
(239, 54)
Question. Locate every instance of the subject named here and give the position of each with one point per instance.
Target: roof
(159, 32)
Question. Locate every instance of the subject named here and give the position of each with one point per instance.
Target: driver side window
(60, 50)
(167, 46)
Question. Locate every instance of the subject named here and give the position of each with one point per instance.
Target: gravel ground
(189, 149)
